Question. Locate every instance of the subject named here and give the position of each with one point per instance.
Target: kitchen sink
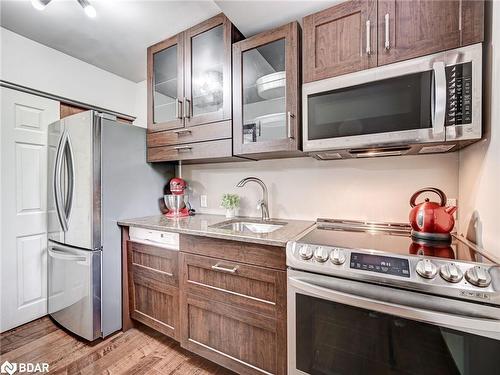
(250, 226)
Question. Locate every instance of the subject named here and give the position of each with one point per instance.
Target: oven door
(339, 326)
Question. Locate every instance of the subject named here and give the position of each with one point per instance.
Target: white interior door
(23, 191)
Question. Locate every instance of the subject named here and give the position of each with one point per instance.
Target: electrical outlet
(451, 202)
(203, 201)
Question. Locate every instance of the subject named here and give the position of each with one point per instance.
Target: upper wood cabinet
(415, 28)
(340, 40)
(189, 76)
(166, 84)
(266, 94)
(357, 35)
(189, 85)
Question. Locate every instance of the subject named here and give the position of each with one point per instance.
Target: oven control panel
(381, 264)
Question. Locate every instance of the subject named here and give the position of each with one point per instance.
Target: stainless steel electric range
(365, 298)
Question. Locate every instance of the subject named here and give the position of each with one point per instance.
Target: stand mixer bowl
(175, 202)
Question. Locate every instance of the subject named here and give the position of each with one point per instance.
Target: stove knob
(305, 252)
(321, 254)
(450, 272)
(426, 269)
(478, 276)
(337, 256)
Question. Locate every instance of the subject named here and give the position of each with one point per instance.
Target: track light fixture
(39, 4)
(87, 7)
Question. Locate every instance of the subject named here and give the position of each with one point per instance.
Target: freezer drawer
(75, 289)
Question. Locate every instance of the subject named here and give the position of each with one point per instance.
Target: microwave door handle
(486, 327)
(438, 103)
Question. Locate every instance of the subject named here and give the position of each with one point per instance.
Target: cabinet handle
(368, 41)
(183, 131)
(387, 44)
(178, 109)
(183, 148)
(187, 108)
(289, 129)
(217, 267)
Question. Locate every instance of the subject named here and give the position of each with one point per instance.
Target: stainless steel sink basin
(250, 226)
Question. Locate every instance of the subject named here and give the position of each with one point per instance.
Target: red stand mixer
(177, 201)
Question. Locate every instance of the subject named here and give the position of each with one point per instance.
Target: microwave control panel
(459, 94)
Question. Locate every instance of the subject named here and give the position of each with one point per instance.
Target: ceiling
(116, 40)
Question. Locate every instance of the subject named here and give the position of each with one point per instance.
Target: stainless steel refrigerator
(97, 175)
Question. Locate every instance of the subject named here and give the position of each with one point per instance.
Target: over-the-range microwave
(425, 105)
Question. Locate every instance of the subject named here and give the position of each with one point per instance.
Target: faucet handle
(260, 203)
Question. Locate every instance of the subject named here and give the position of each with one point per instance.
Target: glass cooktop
(389, 238)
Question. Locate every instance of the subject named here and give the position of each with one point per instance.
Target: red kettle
(431, 220)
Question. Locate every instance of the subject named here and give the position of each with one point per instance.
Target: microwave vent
(435, 149)
(327, 155)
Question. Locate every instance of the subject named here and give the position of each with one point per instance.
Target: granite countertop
(200, 225)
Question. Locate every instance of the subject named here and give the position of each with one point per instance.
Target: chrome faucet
(263, 204)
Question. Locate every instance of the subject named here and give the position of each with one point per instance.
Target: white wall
(34, 65)
(304, 188)
(479, 175)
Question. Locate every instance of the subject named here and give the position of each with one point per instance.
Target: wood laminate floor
(138, 351)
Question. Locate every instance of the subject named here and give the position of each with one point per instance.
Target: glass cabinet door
(266, 94)
(165, 63)
(208, 69)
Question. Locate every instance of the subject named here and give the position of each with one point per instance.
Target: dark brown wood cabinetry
(189, 85)
(234, 313)
(340, 40)
(357, 34)
(154, 287)
(266, 94)
(224, 300)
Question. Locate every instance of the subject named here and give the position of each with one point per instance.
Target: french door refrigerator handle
(438, 97)
(68, 151)
(57, 182)
(483, 326)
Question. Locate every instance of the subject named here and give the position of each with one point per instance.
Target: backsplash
(376, 189)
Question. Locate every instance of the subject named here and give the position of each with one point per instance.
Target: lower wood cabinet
(153, 287)
(224, 300)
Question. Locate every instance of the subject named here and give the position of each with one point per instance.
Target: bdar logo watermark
(11, 368)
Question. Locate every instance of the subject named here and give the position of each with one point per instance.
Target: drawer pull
(182, 132)
(183, 148)
(217, 267)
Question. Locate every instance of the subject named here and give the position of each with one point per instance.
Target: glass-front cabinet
(189, 77)
(266, 118)
(165, 84)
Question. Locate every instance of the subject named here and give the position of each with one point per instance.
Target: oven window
(390, 105)
(338, 339)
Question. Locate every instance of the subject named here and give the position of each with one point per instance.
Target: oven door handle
(480, 326)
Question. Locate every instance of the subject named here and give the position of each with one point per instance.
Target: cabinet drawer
(242, 252)
(252, 288)
(210, 132)
(244, 342)
(192, 151)
(153, 262)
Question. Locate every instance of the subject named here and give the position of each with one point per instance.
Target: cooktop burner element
(386, 253)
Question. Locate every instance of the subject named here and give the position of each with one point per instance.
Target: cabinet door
(165, 84)
(266, 94)
(408, 29)
(153, 287)
(242, 341)
(340, 40)
(208, 72)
